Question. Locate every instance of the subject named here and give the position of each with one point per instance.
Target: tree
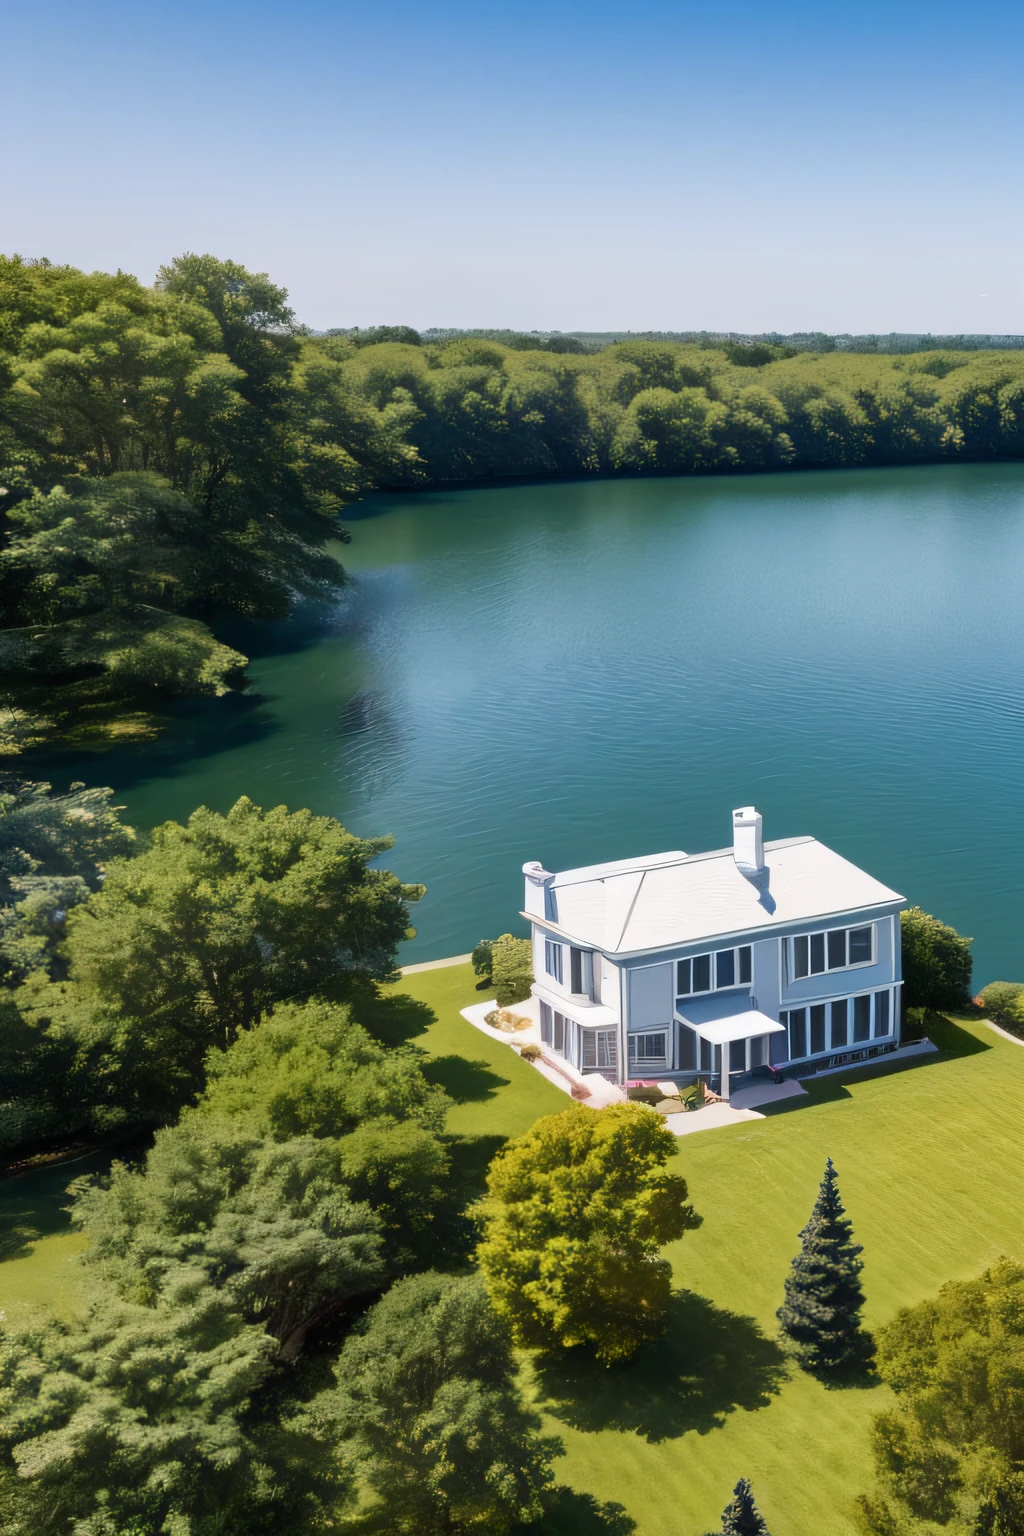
(271, 1224)
(309, 1168)
(135, 1414)
(189, 944)
(511, 969)
(427, 1394)
(575, 1213)
(107, 572)
(1002, 1002)
(951, 1452)
(821, 1313)
(741, 1516)
(936, 962)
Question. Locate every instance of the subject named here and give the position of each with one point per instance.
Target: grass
(930, 1170)
(38, 1272)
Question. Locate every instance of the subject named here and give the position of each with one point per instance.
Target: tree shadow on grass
(463, 1080)
(569, 1513)
(456, 1234)
(708, 1363)
(16, 1242)
(393, 1018)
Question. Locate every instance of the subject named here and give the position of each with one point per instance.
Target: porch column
(724, 1074)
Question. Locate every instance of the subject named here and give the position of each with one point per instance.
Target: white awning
(736, 1026)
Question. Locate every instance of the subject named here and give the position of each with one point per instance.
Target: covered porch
(726, 1039)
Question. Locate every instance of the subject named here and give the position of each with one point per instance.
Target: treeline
(178, 455)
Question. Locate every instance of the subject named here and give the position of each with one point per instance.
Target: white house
(780, 953)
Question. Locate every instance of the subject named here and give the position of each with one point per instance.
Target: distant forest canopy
(893, 343)
(177, 455)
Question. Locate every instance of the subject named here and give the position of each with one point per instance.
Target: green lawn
(931, 1172)
(929, 1159)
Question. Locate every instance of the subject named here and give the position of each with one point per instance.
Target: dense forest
(175, 456)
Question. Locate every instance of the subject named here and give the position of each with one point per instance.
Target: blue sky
(595, 165)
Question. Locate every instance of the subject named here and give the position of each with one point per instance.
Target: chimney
(538, 886)
(747, 842)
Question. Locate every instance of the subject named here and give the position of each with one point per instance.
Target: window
(882, 1025)
(687, 1049)
(860, 946)
(813, 953)
(829, 1026)
(600, 1049)
(581, 971)
(545, 1024)
(553, 959)
(648, 1047)
(730, 968)
(558, 1038)
(862, 1018)
(737, 1055)
(817, 1029)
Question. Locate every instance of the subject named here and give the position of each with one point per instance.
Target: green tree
(575, 1213)
(106, 571)
(821, 1313)
(269, 1223)
(741, 1516)
(511, 969)
(936, 962)
(427, 1393)
(951, 1452)
(197, 938)
(135, 1415)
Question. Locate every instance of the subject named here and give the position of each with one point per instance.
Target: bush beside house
(507, 962)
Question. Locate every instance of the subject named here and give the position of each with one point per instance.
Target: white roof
(738, 1026)
(637, 905)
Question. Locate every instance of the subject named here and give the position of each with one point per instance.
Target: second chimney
(747, 842)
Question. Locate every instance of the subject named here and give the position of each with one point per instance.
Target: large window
(555, 1030)
(707, 973)
(835, 1026)
(581, 971)
(553, 959)
(814, 953)
(600, 1049)
(651, 1047)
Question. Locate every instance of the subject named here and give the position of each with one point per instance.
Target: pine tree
(741, 1516)
(821, 1314)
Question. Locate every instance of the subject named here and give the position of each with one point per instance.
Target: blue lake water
(581, 671)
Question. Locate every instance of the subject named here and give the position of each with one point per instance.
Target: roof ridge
(629, 914)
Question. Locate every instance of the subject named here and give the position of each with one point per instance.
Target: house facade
(778, 954)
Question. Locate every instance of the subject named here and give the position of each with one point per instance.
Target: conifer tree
(821, 1313)
(741, 1516)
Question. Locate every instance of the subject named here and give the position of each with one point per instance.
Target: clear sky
(639, 164)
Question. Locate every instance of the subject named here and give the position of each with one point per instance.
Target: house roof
(738, 1026)
(637, 905)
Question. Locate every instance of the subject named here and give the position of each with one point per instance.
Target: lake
(581, 671)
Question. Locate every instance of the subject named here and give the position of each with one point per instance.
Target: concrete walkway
(435, 965)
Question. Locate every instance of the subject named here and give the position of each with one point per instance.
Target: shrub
(913, 1025)
(504, 1018)
(531, 1052)
(481, 958)
(1001, 1001)
(511, 969)
(936, 962)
